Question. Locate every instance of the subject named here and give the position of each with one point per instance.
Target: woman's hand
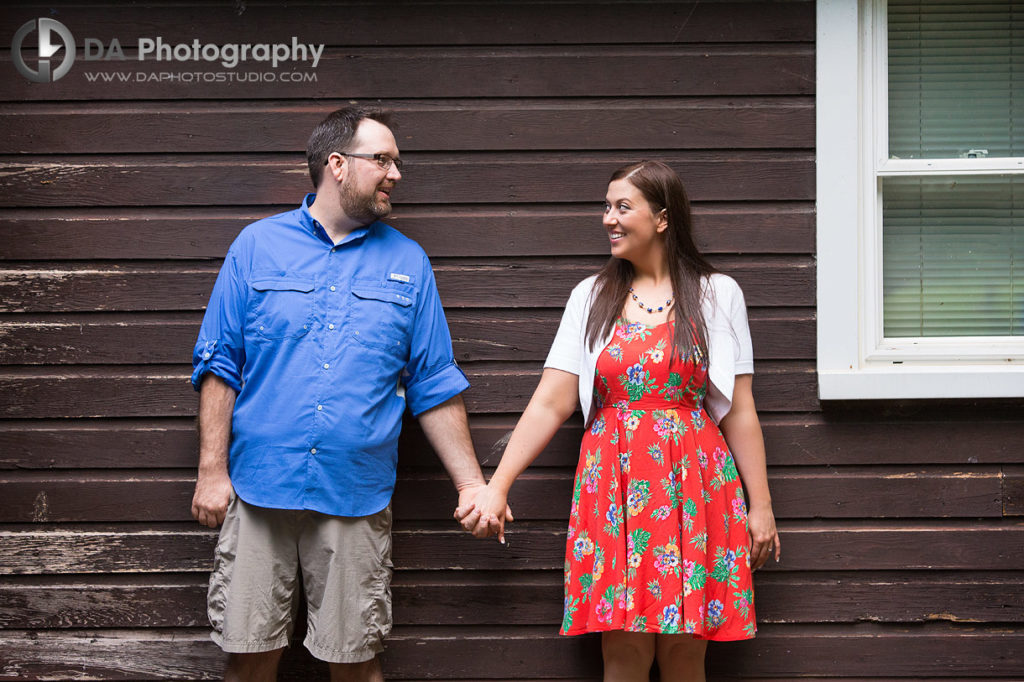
(483, 511)
(742, 431)
(764, 537)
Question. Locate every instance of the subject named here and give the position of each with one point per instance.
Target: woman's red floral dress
(658, 538)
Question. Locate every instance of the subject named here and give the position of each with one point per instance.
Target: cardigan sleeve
(567, 349)
(729, 345)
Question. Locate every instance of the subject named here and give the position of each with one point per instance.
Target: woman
(657, 348)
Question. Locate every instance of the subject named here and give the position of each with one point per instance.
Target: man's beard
(365, 209)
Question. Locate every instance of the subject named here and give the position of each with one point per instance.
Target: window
(920, 113)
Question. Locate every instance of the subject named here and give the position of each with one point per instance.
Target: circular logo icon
(53, 37)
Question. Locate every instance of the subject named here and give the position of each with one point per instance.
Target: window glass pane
(956, 78)
(953, 256)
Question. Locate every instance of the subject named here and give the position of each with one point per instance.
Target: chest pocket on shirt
(282, 306)
(381, 316)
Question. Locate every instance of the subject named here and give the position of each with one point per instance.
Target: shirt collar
(317, 230)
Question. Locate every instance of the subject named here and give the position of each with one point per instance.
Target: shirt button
(319, 407)
(206, 356)
(333, 287)
(327, 365)
(330, 326)
(312, 451)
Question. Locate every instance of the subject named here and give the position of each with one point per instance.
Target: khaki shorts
(346, 575)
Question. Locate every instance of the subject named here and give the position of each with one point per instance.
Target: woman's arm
(742, 431)
(552, 403)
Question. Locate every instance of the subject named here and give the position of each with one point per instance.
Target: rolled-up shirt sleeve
(431, 375)
(220, 348)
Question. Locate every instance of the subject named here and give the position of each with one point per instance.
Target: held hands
(764, 538)
(210, 501)
(483, 511)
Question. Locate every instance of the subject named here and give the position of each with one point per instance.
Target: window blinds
(953, 246)
(953, 256)
(956, 78)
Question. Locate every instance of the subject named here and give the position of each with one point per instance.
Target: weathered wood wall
(901, 522)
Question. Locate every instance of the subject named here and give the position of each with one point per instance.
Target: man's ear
(336, 166)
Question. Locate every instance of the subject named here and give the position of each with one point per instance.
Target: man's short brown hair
(335, 133)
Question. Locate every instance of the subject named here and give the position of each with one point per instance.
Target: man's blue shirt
(325, 345)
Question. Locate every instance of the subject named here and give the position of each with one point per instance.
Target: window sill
(922, 381)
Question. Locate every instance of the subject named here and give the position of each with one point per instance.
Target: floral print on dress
(657, 538)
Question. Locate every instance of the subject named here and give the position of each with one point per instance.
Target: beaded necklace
(644, 306)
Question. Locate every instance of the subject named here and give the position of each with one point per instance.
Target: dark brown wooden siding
(901, 522)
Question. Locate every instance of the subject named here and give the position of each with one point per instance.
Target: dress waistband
(652, 405)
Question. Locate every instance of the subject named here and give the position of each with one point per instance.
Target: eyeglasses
(383, 160)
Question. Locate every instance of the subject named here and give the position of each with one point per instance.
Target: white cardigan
(728, 332)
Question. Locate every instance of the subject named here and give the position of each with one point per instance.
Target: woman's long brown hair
(663, 189)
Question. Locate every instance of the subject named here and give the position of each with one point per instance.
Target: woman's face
(634, 230)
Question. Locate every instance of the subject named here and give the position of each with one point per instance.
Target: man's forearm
(216, 405)
(213, 484)
(447, 429)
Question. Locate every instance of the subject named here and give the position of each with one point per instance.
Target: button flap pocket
(378, 294)
(282, 284)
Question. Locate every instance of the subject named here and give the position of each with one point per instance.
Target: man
(323, 325)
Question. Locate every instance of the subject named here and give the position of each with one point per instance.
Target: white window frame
(855, 360)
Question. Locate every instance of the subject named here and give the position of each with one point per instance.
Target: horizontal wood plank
(172, 443)
(920, 650)
(792, 440)
(165, 391)
(443, 71)
(1013, 491)
(103, 604)
(60, 443)
(111, 655)
(216, 180)
(465, 230)
(512, 335)
(807, 546)
(117, 499)
(894, 597)
(856, 494)
(470, 125)
(459, 653)
(478, 283)
(887, 493)
(126, 550)
(478, 598)
(960, 435)
(853, 493)
(418, 23)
